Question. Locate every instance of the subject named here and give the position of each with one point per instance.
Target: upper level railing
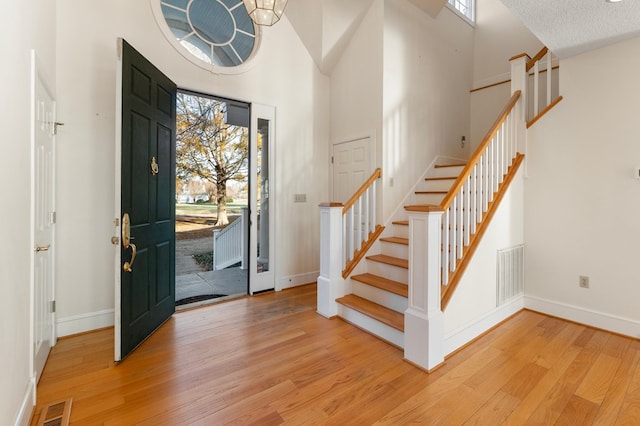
(543, 85)
(359, 223)
(473, 193)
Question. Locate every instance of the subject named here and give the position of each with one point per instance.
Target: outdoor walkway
(192, 281)
(226, 282)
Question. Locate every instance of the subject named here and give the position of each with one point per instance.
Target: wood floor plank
(595, 386)
(272, 359)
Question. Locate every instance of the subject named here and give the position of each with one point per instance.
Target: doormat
(56, 414)
(200, 298)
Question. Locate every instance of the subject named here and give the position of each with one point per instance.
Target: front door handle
(126, 242)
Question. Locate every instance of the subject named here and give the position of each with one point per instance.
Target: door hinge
(52, 218)
(53, 306)
(332, 159)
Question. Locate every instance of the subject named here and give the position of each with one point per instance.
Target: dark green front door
(147, 292)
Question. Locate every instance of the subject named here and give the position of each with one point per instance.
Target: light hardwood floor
(271, 360)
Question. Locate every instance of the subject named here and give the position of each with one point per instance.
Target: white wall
(582, 202)
(427, 76)
(29, 24)
(499, 35)
(283, 75)
(356, 83)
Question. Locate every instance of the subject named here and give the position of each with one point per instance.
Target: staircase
(412, 267)
(379, 296)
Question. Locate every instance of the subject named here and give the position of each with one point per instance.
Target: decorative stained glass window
(217, 32)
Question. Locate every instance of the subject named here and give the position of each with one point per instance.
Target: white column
(423, 319)
(331, 285)
(519, 80)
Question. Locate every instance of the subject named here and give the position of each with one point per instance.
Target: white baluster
(536, 90)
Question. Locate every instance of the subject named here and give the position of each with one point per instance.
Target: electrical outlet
(584, 281)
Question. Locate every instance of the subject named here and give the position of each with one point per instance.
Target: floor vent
(56, 414)
(510, 274)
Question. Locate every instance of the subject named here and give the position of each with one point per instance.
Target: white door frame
(371, 136)
(41, 305)
(264, 280)
(117, 347)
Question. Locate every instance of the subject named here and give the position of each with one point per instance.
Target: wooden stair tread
(401, 222)
(396, 240)
(384, 315)
(442, 178)
(438, 166)
(432, 192)
(390, 260)
(424, 208)
(382, 283)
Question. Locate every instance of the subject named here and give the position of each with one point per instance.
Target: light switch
(299, 198)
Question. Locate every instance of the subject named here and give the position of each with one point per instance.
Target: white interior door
(43, 128)
(352, 165)
(261, 196)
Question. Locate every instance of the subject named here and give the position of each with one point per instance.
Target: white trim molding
(298, 280)
(459, 337)
(23, 417)
(85, 322)
(601, 320)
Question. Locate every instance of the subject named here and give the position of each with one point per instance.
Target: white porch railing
(230, 245)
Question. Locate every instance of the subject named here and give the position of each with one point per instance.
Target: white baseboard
(297, 280)
(85, 322)
(28, 403)
(601, 320)
(457, 338)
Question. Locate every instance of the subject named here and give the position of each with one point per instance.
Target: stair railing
(542, 85)
(472, 194)
(359, 223)
(442, 238)
(347, 231)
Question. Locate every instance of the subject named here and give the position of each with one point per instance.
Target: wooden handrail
(544, 111)
(448, 199)
(531, 62)
(376, 175)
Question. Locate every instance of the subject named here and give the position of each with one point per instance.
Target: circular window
(219, 33)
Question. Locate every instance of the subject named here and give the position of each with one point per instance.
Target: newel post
(423, 319)
(331, 285)
(519, 81)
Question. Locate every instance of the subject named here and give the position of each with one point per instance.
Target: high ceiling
(566, 27)
(571, 27)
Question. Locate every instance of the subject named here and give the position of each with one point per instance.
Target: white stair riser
(432, 199)
(372, 326)
(388, 271)
(401, 231)
(395, 250)
(381, 297)
(437, 185)
(446, 171)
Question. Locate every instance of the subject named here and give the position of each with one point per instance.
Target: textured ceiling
(571, 27)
